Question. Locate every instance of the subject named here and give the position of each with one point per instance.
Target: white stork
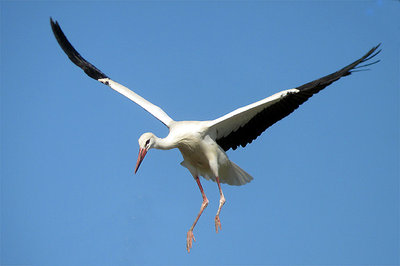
(203, 143)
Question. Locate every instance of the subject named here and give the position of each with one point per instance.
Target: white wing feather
(230, 122)
(153, 109)
(96, 74)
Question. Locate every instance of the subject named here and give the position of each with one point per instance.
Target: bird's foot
(189, 239)
(217, 223)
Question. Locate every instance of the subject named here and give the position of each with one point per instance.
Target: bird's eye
(147, 142)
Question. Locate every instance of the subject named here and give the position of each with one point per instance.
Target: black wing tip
(372, 53)
(367, 57)
(356, 66)
(54, 25)
(73, 55)
(52, 22)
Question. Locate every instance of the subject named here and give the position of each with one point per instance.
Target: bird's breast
(201, 153)
(197, 148)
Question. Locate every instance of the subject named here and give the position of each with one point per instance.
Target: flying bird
(203, 144)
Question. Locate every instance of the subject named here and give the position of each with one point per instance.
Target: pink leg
(190, 235)
(221, 203)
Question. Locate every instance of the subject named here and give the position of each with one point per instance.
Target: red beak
(142, 153)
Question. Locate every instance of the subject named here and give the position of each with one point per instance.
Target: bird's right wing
(242, 126)
(96, 74)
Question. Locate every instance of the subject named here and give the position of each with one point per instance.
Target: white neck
(164, 144)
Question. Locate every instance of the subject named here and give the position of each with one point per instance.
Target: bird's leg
(190, 235)
(221, 203)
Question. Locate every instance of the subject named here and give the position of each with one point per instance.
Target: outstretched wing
(96, 74)
(245, 124)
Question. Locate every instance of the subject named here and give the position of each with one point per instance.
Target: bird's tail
(234, 175)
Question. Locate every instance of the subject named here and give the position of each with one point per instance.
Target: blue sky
(326, 178)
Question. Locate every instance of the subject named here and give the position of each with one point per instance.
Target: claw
(189, 239)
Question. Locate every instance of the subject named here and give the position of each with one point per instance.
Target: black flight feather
(273, 113)
(75, 57)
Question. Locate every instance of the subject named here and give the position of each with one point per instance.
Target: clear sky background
(326, 178)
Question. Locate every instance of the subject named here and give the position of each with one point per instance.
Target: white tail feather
(230, 174)
(234, 175)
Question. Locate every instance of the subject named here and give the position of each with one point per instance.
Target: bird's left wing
(96, 74)
(245, 124)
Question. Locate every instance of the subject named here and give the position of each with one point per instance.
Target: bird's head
(146, 142)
